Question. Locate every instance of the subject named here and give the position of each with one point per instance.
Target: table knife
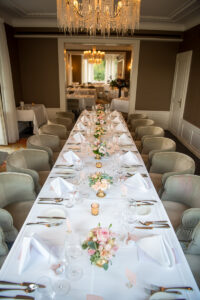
(17, 297)
(58, 218)
(21, 283)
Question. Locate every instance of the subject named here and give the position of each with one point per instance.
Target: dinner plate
(143, 210)
(54, 212)
(163, 295)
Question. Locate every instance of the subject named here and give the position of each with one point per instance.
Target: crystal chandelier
(98, 16)
(94, 57)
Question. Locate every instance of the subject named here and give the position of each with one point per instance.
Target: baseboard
(161, 118)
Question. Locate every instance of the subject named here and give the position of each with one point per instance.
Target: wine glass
(73, 252)
(45, 292)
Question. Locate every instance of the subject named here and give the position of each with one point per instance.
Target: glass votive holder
(95, 209)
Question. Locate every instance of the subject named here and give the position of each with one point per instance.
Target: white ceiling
(155, 14)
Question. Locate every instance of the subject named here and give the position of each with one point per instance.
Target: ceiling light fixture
(94, 56)
(98, 16)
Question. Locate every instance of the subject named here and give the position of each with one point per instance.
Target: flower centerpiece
(100, 182)
(101, 246)
(100, 117)
(100, 107)
(119, 83)
(99, 149)
(99, 131)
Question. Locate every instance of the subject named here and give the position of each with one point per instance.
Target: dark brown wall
(192, 107)
(128, 62)
(155, 75)
(39, 70)
(14, 62)
(76, 68)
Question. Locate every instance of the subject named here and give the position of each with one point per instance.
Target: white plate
(54, 212)
(143, 210)
(163, 295)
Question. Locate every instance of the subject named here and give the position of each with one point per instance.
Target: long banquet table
(110, 284)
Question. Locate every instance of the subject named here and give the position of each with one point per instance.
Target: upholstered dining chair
(30, 161)
(67, 122)
(188, 234)
(140, 122)
(135, 117)
(180, 193)
(55, 129)
(49, 143)
(165, 164)
(17, 196)
(66, 114)
(143, 132)
(152, 145)
(3, 247)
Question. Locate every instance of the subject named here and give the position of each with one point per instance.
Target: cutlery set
(131, 174)
(152, 289)
(153, 225)
(45, 224)
(30, 287)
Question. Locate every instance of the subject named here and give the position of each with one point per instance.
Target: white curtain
(111, 67)
(3, 136)
(88, 71)
(8, 100)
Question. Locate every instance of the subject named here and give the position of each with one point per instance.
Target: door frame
(188, 55)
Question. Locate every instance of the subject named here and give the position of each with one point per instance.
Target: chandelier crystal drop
(94, 56)
(98, 16)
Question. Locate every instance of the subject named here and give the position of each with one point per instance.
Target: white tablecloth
(84, 100)
(120, 104)
(110, 284)
(33, 113)
(83, 91)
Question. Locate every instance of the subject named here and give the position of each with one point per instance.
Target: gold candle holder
(98, 165)
(94, 209)
(97, 156)
(101, 194)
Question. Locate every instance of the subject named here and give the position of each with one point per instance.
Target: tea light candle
(94, 209)
(98, 164)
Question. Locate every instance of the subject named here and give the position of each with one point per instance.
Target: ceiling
(155, 14)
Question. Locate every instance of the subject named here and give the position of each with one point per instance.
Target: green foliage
(99, 71)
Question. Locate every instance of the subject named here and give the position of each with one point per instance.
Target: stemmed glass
(73, 252)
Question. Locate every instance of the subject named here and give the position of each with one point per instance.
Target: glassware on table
(70, 200)
(47, 292)
(61, 287)
(131, 212)
(73, 252)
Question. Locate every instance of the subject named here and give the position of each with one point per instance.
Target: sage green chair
(49, 143)
(66, 114)
(188, 234)
(30, 161)
(55, 129)
(142, 132)
(140, 122)
(180, 193)
(3, 247)
(17, 197)
(67, 122)
(152, 145)
(165, 164)
(136, 116)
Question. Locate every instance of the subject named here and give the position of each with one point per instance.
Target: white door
(179, 91)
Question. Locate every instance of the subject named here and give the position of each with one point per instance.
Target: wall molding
(190, 137)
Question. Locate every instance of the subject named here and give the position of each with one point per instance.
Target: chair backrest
(54, 129)
(3, 156)
(44, 140)
(164, 162)
(66, 114)
(33, 159)
(67, 122)
(141, 122)
(183, 188)
(15, 187)
(157, 143)
(142, 131)
(73, 104)
(137, 116)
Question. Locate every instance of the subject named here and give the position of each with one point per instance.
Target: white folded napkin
(62, 187)
(29, 244)
(80, 126)
(129, 159)
(78, 137)
(120, 127)
(114, 113)
(157, 249)
(137, 182)
(71, 158)
(84, 119)
(124, 140)
(116, 120)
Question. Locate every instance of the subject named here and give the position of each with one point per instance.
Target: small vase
(101, 262)
(101, 194)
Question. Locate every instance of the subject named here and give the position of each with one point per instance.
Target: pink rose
(103, 234)
(91, 251)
